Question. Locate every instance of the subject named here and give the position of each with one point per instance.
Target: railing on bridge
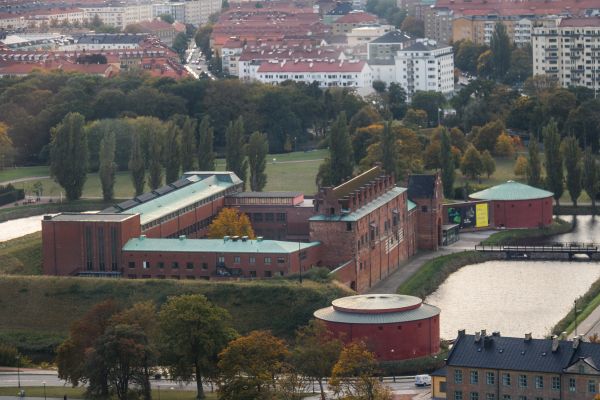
(572, 248)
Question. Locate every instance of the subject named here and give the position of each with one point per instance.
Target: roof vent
(47, 217)
(528, 337)
(259, 238)
(181, 237)
(226, 238)
(244, 238)
(142, 237)
(235, 238)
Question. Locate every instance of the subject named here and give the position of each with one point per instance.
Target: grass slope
(22, 256)
(511, 236)
(37, 311)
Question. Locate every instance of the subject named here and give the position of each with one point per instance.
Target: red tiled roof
(580, 22)
(314, 66)
(155, 25)
(179, 27)
(356, 18)
(514, 7)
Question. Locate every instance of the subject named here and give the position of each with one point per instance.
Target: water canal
(517, 297)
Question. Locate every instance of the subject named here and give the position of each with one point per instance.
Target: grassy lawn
(511, 235)
(78, 392)
(10, 174)
(289, 172)
(22, 256)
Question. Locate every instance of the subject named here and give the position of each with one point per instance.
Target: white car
(422, 380)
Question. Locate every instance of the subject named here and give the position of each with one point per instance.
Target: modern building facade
(395, 327)
(568, 50)
(483, 366)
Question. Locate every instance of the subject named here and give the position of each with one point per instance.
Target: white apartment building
(198, 11)
(135, 13)
(568, 50)
(422, 66)
(176, 10)
(329, 73)
(110, 15)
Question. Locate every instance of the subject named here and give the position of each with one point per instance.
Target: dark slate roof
(392, 37)
(440, 372)
(518, 354)
(341, 9)
(421, 186)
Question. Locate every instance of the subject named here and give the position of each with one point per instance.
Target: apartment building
(438, 24)
(421, 66)
(492, 367)
(327, 73)
(568, 50)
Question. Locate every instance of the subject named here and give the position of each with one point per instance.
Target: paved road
(29, 178)
(467, 241)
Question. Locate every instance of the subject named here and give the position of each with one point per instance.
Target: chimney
(554, 343)
(461, 333)
(477, 337)
(576, 340)
(528, 337)
(563, 335)
(483, 332)
(496, 333)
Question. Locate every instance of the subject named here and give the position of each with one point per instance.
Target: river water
(517, 297)
(513, 297)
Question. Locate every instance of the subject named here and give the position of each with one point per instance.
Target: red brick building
(426, 192)
(275, 215)
(366, 228)
(216, 258)
(516, 205)
(395, 327)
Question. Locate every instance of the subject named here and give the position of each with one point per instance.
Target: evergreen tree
(447, 164)
(155, 168)
(188, 144)
(572, 155)
(137, 165)
(257, 150)
(235, 153)
(500, 48)
(554, 162)
(389, 150)
(206, 155)
(534, 165)
(591, 182)
(340, 164)
(69, 154)
(108, 167)
(172, 152)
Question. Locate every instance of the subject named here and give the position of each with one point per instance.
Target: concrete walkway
(467, 241)
(590, 325)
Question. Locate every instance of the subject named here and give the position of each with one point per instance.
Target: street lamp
(19, 371)
(44, 383)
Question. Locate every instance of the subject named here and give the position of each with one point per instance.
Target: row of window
(100, 247)
(523, 380)
(191, 229)
(268, 217)
(251, 274)
(458, 395)
(204, 266)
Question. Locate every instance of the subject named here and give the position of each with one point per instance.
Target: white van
(422, 380)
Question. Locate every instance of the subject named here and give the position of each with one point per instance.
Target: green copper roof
(214, 246)
(511, 190)
(410, 205)
(180, 198)
(364, 210)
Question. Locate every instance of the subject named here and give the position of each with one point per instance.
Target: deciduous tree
(69, 155)
(188, 144)
(235, 153)
(501, 51)
(534, 164)
(471, 164)
(340, 164)
(389, 150)
(447, 164)
(7, 151)
(193, 331)
(316, 351)
(137, 165)
(354, 377)
(257, 150)
(553, 160)
(206, 154)
(572, 156)
(230, 222)
(250, 364)
(591, 176)
(108, 167)
(520, 168)
(504, 146)
(488, 162)
(172, 155)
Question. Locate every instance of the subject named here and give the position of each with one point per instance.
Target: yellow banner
(481, 215)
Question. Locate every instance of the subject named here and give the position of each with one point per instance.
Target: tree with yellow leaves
(249, 365)
(230, 222)
(7, 150)
(353, 375)
(521, 166)
(504, 146)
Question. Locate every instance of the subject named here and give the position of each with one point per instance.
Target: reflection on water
(511, 297)
(586, 229)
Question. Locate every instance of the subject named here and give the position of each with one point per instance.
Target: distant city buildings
(568, 50)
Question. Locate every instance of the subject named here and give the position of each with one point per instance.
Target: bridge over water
(551, 251)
